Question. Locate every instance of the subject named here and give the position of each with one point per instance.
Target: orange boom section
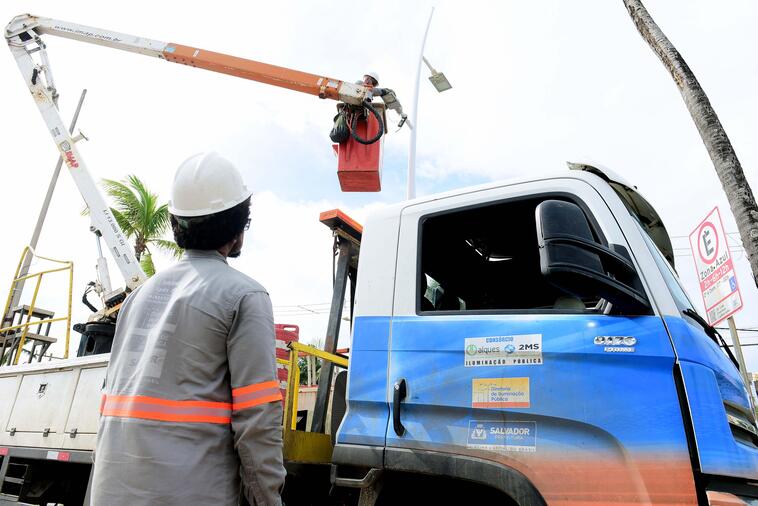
(323, 87)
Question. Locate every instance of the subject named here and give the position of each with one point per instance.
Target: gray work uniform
(192, 406)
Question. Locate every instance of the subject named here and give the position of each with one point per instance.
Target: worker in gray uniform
(191, 413)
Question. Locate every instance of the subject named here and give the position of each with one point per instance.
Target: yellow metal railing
(301, 446)
(67, 266)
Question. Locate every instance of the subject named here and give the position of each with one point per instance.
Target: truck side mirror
(572, 260)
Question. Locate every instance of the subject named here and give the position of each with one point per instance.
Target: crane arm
(30, 54)
(313, 84)
(24, 36)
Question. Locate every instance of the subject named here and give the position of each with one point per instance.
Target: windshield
(683, 302)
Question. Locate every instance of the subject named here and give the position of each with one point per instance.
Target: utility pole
(411, 190)
(16, 298)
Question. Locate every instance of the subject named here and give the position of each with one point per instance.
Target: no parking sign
(715, 270)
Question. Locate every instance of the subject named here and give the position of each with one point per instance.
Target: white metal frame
(28, 49)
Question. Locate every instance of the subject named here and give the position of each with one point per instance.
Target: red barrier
(285, 333)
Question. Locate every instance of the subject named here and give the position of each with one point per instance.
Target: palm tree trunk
(725, 161)
(139, 247)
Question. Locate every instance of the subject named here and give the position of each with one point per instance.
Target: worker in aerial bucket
(341, 123)
(192, 408)
(370, 79)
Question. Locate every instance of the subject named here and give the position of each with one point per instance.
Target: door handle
(398, 395)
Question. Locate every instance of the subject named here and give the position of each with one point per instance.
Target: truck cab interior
(486, 259)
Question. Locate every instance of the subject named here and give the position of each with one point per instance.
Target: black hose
(86, 302)
(354, 123)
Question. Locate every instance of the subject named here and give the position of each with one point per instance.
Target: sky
(535, 84)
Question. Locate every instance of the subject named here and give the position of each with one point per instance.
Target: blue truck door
(361, 435)
(490, 363)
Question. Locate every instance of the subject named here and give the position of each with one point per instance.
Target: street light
(438, 79)
(441, 83)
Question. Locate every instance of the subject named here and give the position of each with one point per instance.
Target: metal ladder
(13, 337)
(13, 481)
(40, 340)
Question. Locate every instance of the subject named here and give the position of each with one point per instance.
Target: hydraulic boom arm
(24, 37)
(321, 86)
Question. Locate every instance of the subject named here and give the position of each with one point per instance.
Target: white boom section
(24, 43)
(108, 38)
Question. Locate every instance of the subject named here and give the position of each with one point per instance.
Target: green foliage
(146, 262)
(141, 217)
(302, 362)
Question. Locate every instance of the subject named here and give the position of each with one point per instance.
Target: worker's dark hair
(213, 230)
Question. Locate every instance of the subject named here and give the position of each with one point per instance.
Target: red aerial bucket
(285, 334)
(359, 165)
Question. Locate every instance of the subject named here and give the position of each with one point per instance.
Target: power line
(687, 236)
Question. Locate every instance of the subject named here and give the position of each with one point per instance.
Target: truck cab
(530, 342)
(518, 343)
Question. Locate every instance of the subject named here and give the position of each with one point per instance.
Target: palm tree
(139, 215)
(725, 161)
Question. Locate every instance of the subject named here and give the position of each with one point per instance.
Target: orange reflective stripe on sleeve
(255, 394)
(166, 410)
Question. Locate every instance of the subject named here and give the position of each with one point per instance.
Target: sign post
(740, 357)
(717, 278)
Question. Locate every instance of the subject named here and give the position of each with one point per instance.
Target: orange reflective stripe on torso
(153, 408)
(166, 410)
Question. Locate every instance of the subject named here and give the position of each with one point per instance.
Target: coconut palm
(728, 168)
(141, 217)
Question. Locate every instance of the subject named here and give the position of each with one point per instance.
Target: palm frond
(168, 247)
(145, 199)
(124, 199)
(146, 262)
(139, 214)
(160, 222)
(124, 223)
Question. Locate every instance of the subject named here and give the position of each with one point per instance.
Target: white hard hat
(206, 183)
(372, 75)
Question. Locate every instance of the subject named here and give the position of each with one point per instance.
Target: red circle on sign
(707, 258)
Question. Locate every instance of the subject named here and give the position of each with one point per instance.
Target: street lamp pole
(411, 191)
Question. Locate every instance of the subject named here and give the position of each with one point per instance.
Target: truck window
(669, 275)
(486, 258)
